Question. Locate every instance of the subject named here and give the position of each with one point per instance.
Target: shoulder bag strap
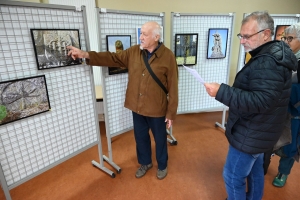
(153, 75)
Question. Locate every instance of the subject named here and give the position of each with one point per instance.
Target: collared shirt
(150, 54)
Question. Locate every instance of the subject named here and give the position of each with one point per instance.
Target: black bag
(153, 75)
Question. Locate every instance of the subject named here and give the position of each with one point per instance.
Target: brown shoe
(142, 170)
(161, 174)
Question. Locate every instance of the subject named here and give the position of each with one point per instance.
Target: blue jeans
(141, 125)
(240, 166)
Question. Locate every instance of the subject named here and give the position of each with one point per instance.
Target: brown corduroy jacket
(144, 96)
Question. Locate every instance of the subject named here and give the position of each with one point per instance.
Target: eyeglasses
(247, 37)
(289, 38)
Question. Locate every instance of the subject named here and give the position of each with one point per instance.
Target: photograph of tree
(50, 47)
(117, 43)
(186, 46)
(22, 98)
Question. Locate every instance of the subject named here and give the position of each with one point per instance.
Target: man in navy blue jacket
(257, 102)
(290, 152)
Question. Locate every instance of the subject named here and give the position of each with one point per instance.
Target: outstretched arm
(77, 53)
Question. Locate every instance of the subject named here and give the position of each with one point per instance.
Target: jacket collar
(259, 49)
(157, 51)
(277, 50)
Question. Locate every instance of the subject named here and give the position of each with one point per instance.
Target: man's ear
(267, 34)
(157, 37)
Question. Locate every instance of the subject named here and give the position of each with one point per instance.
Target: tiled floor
(195, 170)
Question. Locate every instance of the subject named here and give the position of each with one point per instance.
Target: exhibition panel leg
(222, 125)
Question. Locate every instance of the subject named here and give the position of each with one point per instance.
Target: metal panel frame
(4, 184)
(229, 47)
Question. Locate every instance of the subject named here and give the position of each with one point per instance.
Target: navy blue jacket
(291, 150)
(258, 100)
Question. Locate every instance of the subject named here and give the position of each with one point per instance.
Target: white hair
(158, 31)
(293, 29)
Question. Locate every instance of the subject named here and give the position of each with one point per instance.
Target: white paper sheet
(195, 74)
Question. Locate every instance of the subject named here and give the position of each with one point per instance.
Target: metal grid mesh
(278, 20)
(192, 95)
(119, 119)
(32, 144)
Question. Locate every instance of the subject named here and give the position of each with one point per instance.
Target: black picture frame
(22, 98)
(117, 43)
(50, 47)
(279, 31)
(217, 43)
(186, 48)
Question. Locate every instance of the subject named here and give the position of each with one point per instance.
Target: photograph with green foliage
(22, 98)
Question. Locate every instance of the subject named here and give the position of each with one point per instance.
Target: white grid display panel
(192, 94)
(119, 119)
(32, 144)
(278, 20)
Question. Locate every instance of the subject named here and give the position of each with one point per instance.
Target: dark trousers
(285, 165)
(142, 125)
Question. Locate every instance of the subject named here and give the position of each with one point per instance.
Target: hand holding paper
(212, 88)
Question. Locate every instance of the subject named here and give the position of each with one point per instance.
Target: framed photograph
(217, 43)
(22, 98)
(50, 47)
(279, 32)
(138, 33)
(186, 48)
(117, 43)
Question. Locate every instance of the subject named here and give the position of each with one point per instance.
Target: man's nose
(242, 41)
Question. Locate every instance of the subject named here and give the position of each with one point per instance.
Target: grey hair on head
(158, 31)
(295, 28)
(264, 20)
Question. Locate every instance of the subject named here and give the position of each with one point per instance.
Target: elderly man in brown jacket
(151, 107)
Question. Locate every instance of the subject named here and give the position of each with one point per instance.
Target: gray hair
(293, 29)
(158, 31)
(264, 20)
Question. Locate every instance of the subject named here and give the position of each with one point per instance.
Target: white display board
(33, 145)
(192, 94)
